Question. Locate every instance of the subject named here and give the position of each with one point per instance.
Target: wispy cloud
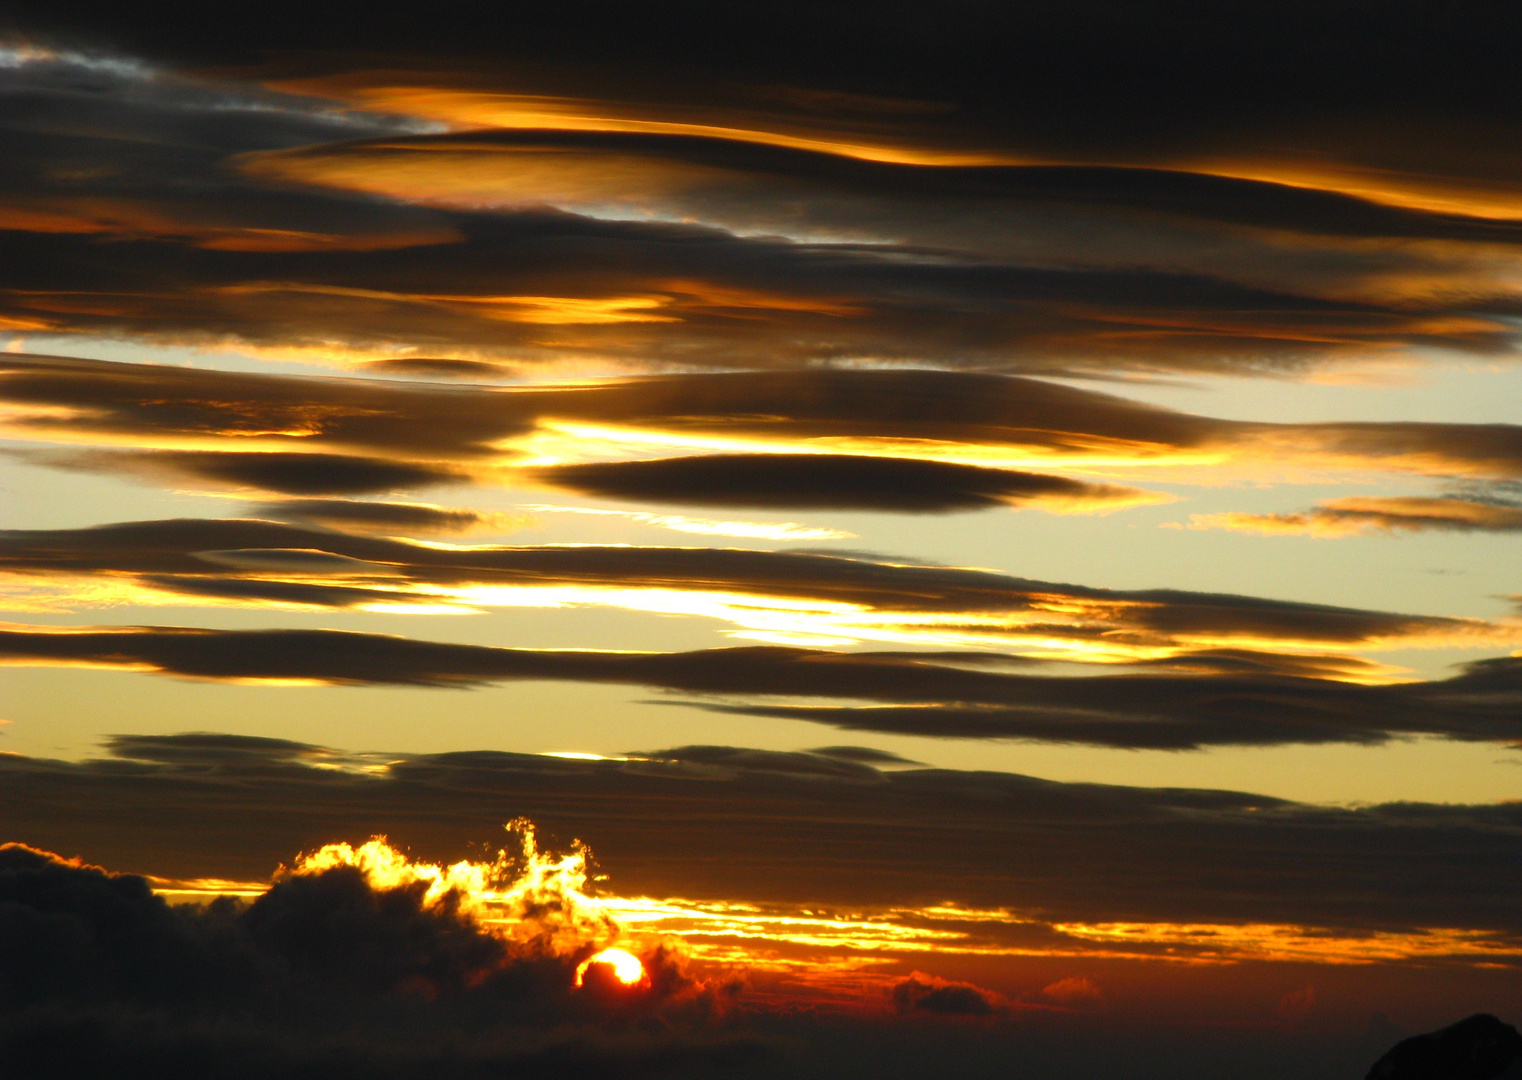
(1373, 514)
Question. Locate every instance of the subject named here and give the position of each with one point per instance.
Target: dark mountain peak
(1480, 1047)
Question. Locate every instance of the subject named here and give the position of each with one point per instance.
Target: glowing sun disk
(625, 965)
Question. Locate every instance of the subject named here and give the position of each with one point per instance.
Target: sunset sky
(995, 525)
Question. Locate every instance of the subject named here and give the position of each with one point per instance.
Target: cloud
(334, 967)
(159, 236)
(639, 294)
(721, 177)
(1366, 514)
(1073, 990)
(984, 842)
(921, 993)
(1480, 1042)
(952, 223)
(387, 517)
(288, 472)
(170, 406)
(936, 417)
(943, 695)
(834, 481)
(769, 594)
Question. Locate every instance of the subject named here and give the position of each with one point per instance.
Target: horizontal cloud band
(926, 694)
(835, 835)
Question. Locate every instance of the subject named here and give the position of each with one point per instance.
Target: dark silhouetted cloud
(926, 994)
(326, 972)
(833, 481)
(292, 473)
(1057, 852)
(1480, 1045)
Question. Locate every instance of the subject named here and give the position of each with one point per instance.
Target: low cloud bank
(333, 971)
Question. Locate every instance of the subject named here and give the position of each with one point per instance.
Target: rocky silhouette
(1480, 1047)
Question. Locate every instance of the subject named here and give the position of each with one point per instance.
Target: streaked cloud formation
(772, 595)
(234, 420)
(1217, 697)
(508, 238)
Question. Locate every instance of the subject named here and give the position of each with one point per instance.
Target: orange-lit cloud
(474, 109)
(965, 423)
(786, 597)
(1365, 514)
(548, 904)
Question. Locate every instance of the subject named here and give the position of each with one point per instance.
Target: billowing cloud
(1373, 513)
(355, 961)
(937, 695)
(835, 481)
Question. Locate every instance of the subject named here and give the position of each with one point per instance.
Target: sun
(625, 966)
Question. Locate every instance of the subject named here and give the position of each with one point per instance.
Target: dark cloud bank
(323, 975)
(1067, 80)
(837, 832)
(130, 201)
(326, 975)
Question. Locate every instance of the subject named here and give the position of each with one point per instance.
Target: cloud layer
(859, 836)
(431, 210)
(799, 593)
(1230, 699)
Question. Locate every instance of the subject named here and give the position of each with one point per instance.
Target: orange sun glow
(625, 966)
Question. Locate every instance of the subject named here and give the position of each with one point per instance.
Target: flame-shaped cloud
(534, 899)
